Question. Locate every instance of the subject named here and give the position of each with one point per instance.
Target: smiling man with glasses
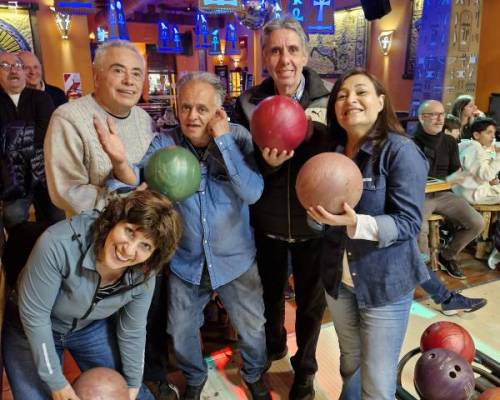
(24, 116)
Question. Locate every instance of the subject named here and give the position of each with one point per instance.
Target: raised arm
(112, 144)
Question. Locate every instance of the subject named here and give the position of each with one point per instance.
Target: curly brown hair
(156, 217)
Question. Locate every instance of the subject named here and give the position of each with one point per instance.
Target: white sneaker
(494, 259)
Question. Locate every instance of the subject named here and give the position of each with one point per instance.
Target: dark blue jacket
(394, 180)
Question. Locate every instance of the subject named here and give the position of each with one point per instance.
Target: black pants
(156, 352)
(272, 260)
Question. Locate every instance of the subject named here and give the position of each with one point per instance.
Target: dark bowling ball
(329, 180)
(174, 172)
(441, 374)
(101, 384)
(490, 394)
(448, 335)
(278, 122)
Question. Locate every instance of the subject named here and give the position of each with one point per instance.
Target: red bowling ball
(329, 180)
(448, 335)
(278, 122)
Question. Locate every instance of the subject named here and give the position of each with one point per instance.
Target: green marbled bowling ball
(174, 172)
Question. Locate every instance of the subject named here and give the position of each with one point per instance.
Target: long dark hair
(385, 123)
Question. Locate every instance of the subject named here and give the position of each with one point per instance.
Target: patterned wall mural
(447, 51)
(15, 30)
(411, 47)
(332, 55)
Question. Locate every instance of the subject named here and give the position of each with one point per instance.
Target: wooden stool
(434, 240)
(489, 212)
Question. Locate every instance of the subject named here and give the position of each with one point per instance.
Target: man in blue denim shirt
(217, 250)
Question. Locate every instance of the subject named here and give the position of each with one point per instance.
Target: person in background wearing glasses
(24, 116)
(441, 151)
(34, 78)
(78, 167)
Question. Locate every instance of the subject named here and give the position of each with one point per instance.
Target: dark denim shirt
(216, 222)
(393, 193)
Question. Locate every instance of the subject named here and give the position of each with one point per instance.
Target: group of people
(90, 279)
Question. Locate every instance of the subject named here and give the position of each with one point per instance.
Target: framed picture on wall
(333, 55)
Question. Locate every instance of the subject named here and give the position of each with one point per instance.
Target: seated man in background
(34, 79)
(441, 151)
(217, 250)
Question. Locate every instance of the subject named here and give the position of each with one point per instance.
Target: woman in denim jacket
(370, 259)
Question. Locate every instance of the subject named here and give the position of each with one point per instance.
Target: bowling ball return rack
(487, 369)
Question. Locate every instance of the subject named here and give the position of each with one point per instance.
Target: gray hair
(423, 106)
(286, 22)
(102, 50)
(207, 77)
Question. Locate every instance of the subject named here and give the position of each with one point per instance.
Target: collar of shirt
(15, 98)
(300, 89)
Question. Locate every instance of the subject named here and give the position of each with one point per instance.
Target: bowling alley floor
(225, 382)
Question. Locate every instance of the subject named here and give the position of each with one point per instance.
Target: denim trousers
(435, 288)
(92, 346)
(17, 211)
(370, 341)
(242, 299)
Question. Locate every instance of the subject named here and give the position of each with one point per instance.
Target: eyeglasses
(7, 67)
(434, 115)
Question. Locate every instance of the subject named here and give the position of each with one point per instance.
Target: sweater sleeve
(39, 286)
(67, 176)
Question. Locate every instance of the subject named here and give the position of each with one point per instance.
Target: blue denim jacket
(216, 225)
(393, 193)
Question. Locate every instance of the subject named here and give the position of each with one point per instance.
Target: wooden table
(436, 185)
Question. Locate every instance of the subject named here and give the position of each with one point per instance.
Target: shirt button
(354, 274)
(349, 253)
(209, 265)
(205, 241)
(203, 192)
(204, 220)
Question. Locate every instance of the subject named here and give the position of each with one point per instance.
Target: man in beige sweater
(76, 165)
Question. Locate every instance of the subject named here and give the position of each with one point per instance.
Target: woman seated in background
(465, 110)
(370, 260)
(81, 272)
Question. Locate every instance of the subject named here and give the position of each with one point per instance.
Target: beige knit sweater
(75, 163)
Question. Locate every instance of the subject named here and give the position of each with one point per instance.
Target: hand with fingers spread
(274, 158)
(348, 218)
(218, 125)
(111, 142)
(66, 393)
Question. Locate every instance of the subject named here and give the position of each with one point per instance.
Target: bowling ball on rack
(329, 180)
(278, 122)
(173, 171)
(441, 374)
(101, 383)
(448, 335)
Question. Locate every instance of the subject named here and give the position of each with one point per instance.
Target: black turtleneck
(441, 151)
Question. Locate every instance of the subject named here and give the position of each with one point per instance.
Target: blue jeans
(243, 301)
(435, 288)
(370, 339)
(92, 346)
